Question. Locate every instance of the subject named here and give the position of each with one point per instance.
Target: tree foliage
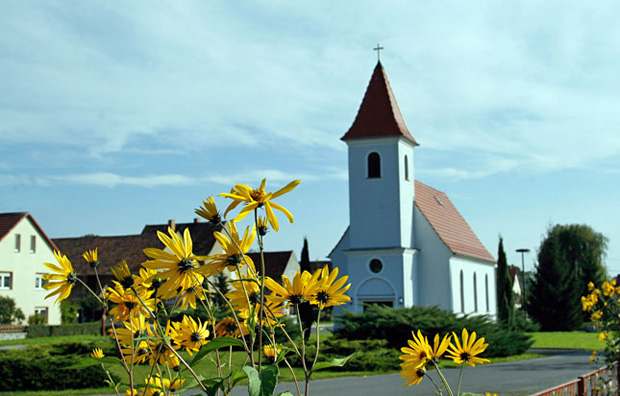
(9, 313)
(505, 297)
(569, 257)
(307, 312)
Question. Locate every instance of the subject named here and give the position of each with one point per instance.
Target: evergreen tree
(505, 297)
(569, 257)
(307, 311)
(221, 284)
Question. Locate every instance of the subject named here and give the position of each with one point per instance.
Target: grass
(50, 340)
(567, 339)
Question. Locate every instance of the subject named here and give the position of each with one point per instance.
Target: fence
(602, 382)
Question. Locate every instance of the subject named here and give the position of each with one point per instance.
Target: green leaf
(254, 388)
(214, 344)
(269, 380)
(286, 393)
(90, 361)
(331, 363)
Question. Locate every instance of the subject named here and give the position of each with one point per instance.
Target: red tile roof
(113, 249)
(379, 114)
(275, 263)
(9, 220)
(448, 223)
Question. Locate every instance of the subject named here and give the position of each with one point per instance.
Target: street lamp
(523, 251)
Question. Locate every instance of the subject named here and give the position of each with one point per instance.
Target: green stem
(261, 310)
(443, 379)
(439, 392)
(458, 387)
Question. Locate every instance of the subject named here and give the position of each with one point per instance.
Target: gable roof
(114, 249)
(448, 223)
(275, 263)
(8, 221)
(379, 114)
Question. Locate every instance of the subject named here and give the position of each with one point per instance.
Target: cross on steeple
(378, 49)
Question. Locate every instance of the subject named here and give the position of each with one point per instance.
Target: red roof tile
(9, 220)
(113, 249)
(379, 114)
(448, 223)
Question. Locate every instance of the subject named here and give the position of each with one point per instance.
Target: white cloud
(112, 180)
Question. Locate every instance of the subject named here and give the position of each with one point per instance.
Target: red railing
(602, 382)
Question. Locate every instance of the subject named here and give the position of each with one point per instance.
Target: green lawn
(567, 339)
(50, 340)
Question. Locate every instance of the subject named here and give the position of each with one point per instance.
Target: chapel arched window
(374, 165)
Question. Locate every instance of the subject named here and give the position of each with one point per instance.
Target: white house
(24, 248)
(406, 243)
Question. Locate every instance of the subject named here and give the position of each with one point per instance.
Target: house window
(6, 280)
(475, 294)
(375, 266)
(462, 292)
(486, 290)
(39, 282)
(18, 243)
(33, 243)
(406, 168)
(42, 311)
(374, 166)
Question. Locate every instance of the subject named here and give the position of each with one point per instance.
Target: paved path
(507, 379)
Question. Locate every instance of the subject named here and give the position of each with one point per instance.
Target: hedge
(396, 324)
(35, 331)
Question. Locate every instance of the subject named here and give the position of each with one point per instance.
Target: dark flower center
(158, 393)
(254, 298)
(262, 230)
(127, 281)
(257, 195)
(216, 219)
(322, 297)
(137, 334)
(176, 368)
(72, 278)
(420, 372)
(94, 264)
(142, 351)
(465, 356)
(230, 327)
(156, 283)
(130, 304)
(235, 259)
(195, 337)
(295, 299)
(186, 265)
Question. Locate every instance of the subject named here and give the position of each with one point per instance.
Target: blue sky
(114, 115)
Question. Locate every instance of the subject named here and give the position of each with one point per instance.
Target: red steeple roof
(379, 114)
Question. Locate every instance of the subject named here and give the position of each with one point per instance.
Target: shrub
(396, 324)
(35, 331)
(68, 311)
(37, 319)
(9, 313)
(22, 372)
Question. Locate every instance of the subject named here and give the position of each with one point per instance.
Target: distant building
(515, 278)
(24, 247)
(406, 244)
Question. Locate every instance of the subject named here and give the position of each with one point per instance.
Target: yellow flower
(180, 266)
(296, 292)
(233, 256)
(134, 328)
(328, 291)
(466, 351)
(123, 275)
(189, 334)
(152, 350)
(590, 286)
(148, 281)
(593, 357)
(596, 316)
(608, 289)
(208, 211)
(602, 336)
(131, 392)
(413, 374)
(270, 351)
(262, 225)
(418, 353)
(439, 348)
(238, 297)
(97, 353)
(128, 303)
(256, 198)
(63, 281)
(157, 386)
(227, 327)
(187, 297)
(490, 394)
(272, 313)
(91, 258)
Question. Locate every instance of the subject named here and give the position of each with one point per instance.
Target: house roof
(448, 223)
(275, 262)
(320, 264)
(514, 273)
(8, 221)
(379, 114)
(113, 249)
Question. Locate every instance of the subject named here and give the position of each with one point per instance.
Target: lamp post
(523, 251)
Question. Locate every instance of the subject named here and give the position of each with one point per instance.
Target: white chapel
(406, 243)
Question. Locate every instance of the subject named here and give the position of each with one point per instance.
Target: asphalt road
(511, 379)
(507, 379)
